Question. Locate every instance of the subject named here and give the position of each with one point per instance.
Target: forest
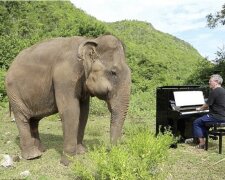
(155, 58)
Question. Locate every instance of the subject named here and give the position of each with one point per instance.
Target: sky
(185, 19)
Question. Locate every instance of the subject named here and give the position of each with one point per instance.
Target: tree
(212, 22)
(217, 18)
(220, 55)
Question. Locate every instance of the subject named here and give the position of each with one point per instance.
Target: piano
(176, 109)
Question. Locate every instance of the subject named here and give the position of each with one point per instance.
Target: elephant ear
(87, 53)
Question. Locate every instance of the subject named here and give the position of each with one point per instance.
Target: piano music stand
(215, 131)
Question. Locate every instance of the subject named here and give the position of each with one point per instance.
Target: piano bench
(215, 130)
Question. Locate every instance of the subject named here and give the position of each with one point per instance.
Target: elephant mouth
(91, 94)
(102, 96)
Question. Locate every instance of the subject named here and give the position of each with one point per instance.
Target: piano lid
(188, 98)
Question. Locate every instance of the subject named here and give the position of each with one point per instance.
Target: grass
(46, 167)
(136, 157)
(184, 162)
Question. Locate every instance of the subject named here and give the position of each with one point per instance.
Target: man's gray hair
(217, 78)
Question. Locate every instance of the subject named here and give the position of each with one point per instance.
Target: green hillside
(25, 23)
(156, 58)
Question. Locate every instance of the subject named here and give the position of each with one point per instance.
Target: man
(216, 105)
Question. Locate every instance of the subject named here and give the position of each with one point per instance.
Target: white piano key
(193, 112)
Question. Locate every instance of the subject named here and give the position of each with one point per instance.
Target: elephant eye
(113, 72)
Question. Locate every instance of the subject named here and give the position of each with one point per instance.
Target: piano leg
(175, 127)
(157, 129)
(206, 142)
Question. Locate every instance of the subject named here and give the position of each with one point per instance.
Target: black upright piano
(176, 108)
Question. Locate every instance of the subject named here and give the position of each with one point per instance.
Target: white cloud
(161, 13)
(176, 17)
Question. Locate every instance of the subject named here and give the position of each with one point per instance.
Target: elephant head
(108, 77)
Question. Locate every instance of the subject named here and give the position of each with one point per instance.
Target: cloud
(206, 41)
(180, 16)
(185, 19)
(168, 16)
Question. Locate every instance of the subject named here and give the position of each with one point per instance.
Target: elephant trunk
(118, 107)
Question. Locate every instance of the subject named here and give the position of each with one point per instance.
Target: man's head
(215, 81)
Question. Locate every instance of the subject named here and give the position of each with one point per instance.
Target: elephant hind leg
(84, 110)
(34, 122)
(27, 141)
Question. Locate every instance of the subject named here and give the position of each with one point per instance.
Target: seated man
(216, 105)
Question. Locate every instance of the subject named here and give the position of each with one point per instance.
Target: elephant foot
(31, 153)
(81, 149)
(42, 148)
(39, 145)
(65, 160)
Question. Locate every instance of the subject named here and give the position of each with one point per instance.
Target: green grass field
(185, 162)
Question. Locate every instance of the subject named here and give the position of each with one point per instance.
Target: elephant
(60, 75)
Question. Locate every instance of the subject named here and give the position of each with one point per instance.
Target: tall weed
(136, 157)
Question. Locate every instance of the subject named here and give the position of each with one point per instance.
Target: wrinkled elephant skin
(60, 75)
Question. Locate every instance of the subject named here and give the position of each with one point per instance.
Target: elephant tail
(10, 113)
(10, 110)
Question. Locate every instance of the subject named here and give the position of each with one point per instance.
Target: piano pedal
(181, 140)
(174, 145)
(213, 137)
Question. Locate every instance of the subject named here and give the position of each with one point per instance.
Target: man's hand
(203, 107)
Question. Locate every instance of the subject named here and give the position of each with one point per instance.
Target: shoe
(200, 146)
(189, 141)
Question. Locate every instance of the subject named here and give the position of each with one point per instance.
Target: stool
(215, 131)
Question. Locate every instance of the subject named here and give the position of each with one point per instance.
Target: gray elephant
(60, 75)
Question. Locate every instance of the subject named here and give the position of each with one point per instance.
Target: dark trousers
(199, 129)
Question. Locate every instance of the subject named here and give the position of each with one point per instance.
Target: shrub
(2, 85)
(137, 157)
(98, 107)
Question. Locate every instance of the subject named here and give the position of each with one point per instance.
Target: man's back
(216, 103)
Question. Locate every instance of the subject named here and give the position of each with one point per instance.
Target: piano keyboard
(193, 112)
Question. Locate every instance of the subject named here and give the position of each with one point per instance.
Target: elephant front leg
(69, 112)
(84, 111)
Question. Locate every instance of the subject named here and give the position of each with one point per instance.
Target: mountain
(156, 58)
(25, 23)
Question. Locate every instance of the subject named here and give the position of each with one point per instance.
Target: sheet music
(187, 98)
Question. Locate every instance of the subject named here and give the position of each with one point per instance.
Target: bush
(137, 157)
(2, 84)
(98, 107)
